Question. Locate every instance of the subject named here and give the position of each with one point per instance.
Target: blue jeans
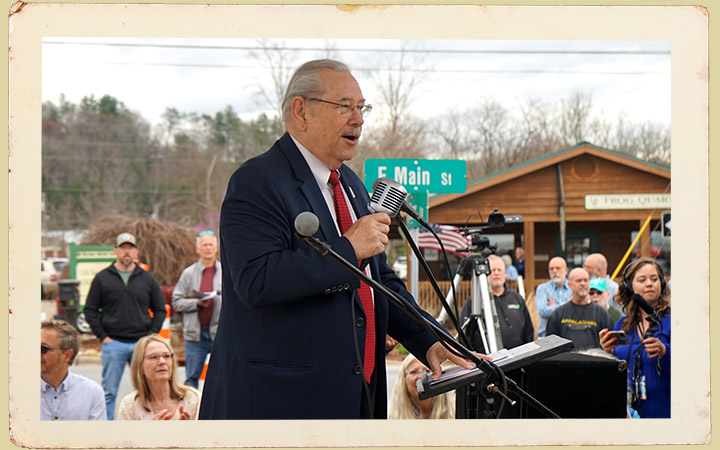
(195, 353)
(114, 356)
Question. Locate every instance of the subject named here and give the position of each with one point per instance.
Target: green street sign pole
(419, 201)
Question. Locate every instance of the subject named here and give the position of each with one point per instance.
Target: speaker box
(572, 385)
(577, 385)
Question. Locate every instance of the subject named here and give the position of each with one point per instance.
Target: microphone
(643, 304)
(389, 197)
(306, 224)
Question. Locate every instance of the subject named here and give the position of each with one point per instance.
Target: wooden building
(606, 197)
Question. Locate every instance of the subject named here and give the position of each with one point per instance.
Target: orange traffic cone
(201, 382)
(165, 330)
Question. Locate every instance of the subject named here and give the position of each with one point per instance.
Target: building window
(578, 245)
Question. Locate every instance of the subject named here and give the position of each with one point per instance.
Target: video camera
(479, 243)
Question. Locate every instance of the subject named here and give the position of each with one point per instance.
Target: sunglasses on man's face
(44, 348)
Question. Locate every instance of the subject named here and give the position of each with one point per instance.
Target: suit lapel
(309, 187)
(357, 200)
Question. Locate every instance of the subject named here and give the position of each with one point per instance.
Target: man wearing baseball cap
(600, 294)
(117, 310)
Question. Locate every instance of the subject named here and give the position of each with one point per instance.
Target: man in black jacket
(516, 326)
(117, 310)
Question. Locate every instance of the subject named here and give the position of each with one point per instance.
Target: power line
(403, 69)
(434, 69)
(372, 50)
(133, 191)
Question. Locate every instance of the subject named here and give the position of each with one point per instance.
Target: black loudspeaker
(577, 385)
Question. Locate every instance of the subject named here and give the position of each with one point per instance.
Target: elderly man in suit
(299, 336)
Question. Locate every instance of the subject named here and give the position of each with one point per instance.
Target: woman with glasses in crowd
(405, 402)
(158, 395)
(647, 349)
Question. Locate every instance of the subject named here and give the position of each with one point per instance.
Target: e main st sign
(437, 176)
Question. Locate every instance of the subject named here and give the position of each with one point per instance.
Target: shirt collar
(320, 171)
(65, 384)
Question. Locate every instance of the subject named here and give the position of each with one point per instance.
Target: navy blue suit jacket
(285, 345)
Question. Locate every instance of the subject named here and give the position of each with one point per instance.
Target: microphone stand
(477, 267)
(490, 370)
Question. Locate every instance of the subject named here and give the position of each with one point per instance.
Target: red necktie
(345, 221)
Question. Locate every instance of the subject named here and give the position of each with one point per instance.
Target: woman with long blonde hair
(158, 395)
(405, 402)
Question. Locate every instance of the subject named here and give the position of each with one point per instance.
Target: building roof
(551, 159)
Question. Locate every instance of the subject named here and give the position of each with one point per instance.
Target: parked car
(59, 264)
(48, 280)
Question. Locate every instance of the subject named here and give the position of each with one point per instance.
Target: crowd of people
(296, 336)
(590, 323)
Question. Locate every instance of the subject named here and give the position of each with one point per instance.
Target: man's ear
(299, 111)
(68, 354)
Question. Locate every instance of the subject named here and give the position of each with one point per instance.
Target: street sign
(86, 261)
(439, 176)
(665, 224)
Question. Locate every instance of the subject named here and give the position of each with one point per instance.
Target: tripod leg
(450, 298)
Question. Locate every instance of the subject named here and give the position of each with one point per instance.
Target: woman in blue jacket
(645, 300)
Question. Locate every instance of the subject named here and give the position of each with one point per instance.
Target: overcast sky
(206, 75)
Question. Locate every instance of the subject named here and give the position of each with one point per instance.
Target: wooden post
(529, 247)
(645, 241)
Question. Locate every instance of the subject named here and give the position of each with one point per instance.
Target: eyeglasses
(208, 232)
(44, 348)
(345, 110)
(594, 292)
(155, 357)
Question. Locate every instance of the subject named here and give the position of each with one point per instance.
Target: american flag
(450, 237)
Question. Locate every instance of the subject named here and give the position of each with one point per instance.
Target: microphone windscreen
(388, 196)
(306, 223)
(643, 304)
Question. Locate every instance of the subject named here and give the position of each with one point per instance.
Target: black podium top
(507, 360)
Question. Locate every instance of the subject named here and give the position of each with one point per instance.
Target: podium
(507, 360)
(571, 384)
(469, 402)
